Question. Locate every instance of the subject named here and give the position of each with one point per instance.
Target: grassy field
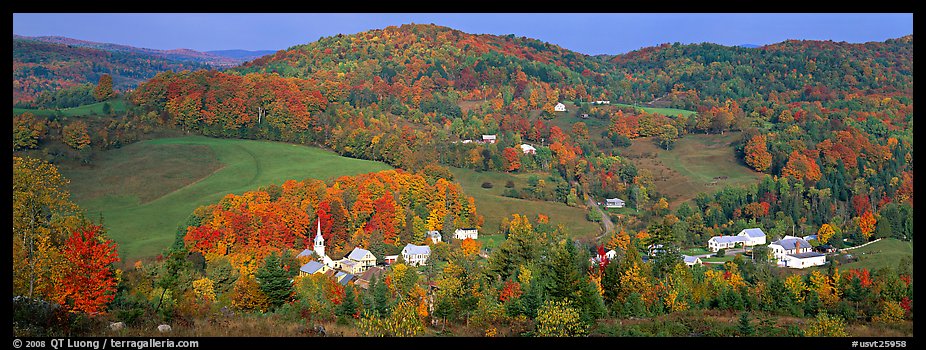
(118, 106)
(493, 206)
(884, 253)
(698, 163)
(670, 112)
(146, 190)
(696, 251)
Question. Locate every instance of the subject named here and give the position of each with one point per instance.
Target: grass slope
(143, 219)
(493, 206)
(884, 253)
(697, 163)
(118, 106)
(669, 112)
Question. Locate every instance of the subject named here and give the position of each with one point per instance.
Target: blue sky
(586, 33)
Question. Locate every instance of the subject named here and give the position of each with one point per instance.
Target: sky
(586, 33)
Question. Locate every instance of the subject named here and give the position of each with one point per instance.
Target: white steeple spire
(319, 240)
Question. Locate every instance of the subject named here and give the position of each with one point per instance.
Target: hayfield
(493, 206)
(884, 253)
(146, 190)
(118, 106)
(697, 163)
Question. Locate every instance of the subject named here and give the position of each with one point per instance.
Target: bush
(593, 215)
(487, 184)
(721, 252)
(509, 184)
(513, 193)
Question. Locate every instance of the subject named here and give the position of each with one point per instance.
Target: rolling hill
(48, 64)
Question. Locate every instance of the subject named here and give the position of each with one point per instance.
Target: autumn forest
(520, 139)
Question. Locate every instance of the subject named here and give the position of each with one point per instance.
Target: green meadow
(146, 190)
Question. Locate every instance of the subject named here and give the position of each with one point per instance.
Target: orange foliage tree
(756, 153)
(89, 282)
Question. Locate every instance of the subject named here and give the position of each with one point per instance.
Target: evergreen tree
(745, 327)
(348, 307)
(275, 281)
(380, 297)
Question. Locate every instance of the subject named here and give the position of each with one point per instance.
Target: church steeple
(319, 241)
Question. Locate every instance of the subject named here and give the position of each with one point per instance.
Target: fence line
(859, 246)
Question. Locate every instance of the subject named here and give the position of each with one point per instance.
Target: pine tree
(348, 307)
(745, 326)
(275, 281)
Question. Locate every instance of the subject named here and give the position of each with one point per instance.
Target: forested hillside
(44, 68)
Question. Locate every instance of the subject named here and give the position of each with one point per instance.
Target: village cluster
(790, 251)
(359, 266)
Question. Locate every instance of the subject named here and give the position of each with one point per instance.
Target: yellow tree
(825, 233)
(76, 135)
(796, 286)
(42, 212)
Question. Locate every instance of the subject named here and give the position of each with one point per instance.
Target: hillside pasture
(118, 106)
(145, 191)
(493, 206)
(697, 163)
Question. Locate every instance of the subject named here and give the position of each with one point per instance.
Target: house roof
(370, 273)
(806, 255)
(306, 252)
(728, 239)
(488, 137)
(466, 229)
(345, 279)
(753, 232)
(789, 243)
(411, 249)
(358, 253)
(433, 233)
(690, 259)
(311, 267)
(526, 147)
(391, 257)
(348, 262)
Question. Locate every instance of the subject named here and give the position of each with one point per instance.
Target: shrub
(509, 184)
(487, 184)
(721, 252)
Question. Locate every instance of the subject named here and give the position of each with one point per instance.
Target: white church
(356, 262)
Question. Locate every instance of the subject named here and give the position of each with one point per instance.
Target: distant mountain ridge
(242, 55)
(215, 60)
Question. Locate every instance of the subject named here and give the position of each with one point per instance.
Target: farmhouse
(598, 258)
(363, 257)
(464, 233)
(350, 266)
(754, 236)
(725, 242)
(802, 260)
(795, 252)
(416, 255)
(434, 236)
(489, 138)
(528, 149)
(691, 260)
(559, 107)
(614, 203)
